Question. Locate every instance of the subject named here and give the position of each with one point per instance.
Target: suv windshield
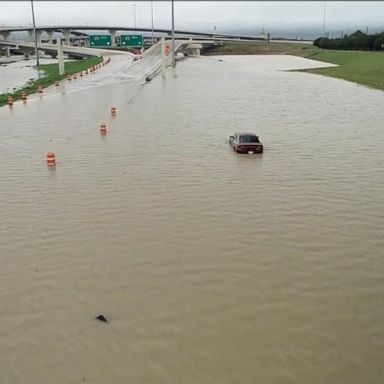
(249, 139)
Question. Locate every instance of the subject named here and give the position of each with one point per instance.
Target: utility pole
(152, 19)
(325, 7)
(173, 36)
(163, 58)
(35, 33)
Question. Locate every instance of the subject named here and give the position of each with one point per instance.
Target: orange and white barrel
(113, 111)
(10, 100)
(40, 89)
(103, 128)
(51, 159)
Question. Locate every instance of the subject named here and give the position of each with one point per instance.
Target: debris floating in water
(102, 318)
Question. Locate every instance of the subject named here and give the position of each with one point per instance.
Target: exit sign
(100, 41)
(131, 40)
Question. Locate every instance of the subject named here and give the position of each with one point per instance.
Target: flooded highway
(210, 267)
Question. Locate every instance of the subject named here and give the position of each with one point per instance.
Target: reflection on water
(14, 75)
(211, 267)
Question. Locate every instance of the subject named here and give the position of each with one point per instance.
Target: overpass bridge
(28, 47)
(184, 45)
(69, 31)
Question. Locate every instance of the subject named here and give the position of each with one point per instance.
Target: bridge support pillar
(30, 36)
(67, 33)
(60, 56)
(38, 36)
(112, 32)
(193, 49)
(50, 35)
(8, 51)
(4, 36)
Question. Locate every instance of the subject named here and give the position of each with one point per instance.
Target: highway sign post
(133, 41)
(100, 41)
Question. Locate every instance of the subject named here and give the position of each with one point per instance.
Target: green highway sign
(100, 41)
(131, 40)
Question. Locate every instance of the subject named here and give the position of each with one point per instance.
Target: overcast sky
(247, 16)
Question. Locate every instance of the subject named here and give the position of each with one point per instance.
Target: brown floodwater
(211, 267)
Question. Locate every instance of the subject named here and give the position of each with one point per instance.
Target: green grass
(366, 68)
(50, 75)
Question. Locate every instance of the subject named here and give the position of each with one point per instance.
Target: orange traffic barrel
(166, 49)
(81, 74)
(69, 78)
(103, 128)
(51, 159)
(24, 96)
(57, 83)
(40, 89)
(86, 71)
(113, 110)
(74, 77)
(10, 100)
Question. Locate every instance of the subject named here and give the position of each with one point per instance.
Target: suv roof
(246, 134)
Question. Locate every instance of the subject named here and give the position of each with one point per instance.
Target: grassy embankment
(50, 75)
(366, 68)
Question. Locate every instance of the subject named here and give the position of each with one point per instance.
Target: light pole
(152, 18)
(325, 7)
(35, 33)
(134, 14)
(173, 36)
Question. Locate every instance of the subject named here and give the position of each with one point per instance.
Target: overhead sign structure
(135, 41)
(100, 41)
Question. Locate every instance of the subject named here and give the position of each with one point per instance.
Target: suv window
(249, 139)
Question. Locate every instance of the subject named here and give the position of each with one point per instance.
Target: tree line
(356, 41)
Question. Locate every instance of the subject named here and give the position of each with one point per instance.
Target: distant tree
(355, 41)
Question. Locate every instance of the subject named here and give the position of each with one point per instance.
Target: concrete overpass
(51, 49)
(187, 46)
(77, 30)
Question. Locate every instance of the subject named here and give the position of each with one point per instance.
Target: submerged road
(210, 267)
(122, 67)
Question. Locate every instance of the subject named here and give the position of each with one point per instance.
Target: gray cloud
(247, 16)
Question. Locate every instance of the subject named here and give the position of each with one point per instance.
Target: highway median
(50, 74)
